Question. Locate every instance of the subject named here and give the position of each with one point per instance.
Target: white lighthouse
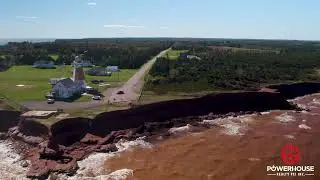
(78, 74)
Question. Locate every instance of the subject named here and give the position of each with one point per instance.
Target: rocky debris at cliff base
(115, 136)
(92, 167)
(3, 136)
(107, 148)
(16, 134)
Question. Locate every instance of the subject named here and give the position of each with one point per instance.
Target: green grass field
(36, 85)
(174, 54)
(54, 56)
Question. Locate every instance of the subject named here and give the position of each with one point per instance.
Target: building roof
(44, 62)
(67, 82)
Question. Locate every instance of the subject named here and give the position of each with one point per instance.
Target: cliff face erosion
(59, 148)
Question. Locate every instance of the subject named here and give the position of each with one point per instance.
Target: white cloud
(92, 3)
(121, 26)
(164, 27)
(33, 19)
(27, 17)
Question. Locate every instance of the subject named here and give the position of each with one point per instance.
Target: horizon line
(154, 37)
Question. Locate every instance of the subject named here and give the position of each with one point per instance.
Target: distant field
(54, 56)
(174, 54)
(254, 50)
(36, 81)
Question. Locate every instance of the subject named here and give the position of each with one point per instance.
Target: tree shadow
(70, 99)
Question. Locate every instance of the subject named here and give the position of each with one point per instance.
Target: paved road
(131, 88)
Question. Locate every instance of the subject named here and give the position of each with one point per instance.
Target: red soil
(214, 155)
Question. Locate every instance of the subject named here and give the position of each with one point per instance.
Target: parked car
(50, 101)
(95, 81)
(96, 97)
(50, 95)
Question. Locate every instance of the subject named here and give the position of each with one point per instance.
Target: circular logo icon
(290, 154)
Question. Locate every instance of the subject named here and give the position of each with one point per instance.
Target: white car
(96, 97)
(50, 101)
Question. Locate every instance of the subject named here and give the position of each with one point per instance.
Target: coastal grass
(174, 54)
(36, 82)
(54, 56)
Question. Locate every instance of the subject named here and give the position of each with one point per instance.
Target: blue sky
(268, 19)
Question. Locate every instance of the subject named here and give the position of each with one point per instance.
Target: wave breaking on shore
(10, 163)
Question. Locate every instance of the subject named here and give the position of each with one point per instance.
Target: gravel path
(132, 88)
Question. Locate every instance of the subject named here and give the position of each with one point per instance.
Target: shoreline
(73, 140)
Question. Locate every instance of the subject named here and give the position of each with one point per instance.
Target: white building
(65, 88)
(44, 64)
(68, 87)
(87, 64)
(113, 68)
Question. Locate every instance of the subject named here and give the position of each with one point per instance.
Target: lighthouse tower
(78, 74)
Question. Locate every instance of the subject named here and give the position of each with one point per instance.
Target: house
(65, 88)
(99, 71)
(113, 68)
(193, 57)
(87, 64)
(54, 81)
(44, 64)
(186, 56)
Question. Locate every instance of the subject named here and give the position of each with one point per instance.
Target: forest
(226, 68)
(125, 53)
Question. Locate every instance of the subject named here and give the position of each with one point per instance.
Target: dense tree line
(121, 52)
(241, 70)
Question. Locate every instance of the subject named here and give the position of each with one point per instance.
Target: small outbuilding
(98, 71)
(86, 64)
(113, 68)
(44, 64)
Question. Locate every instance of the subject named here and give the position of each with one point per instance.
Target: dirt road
(131, 88)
